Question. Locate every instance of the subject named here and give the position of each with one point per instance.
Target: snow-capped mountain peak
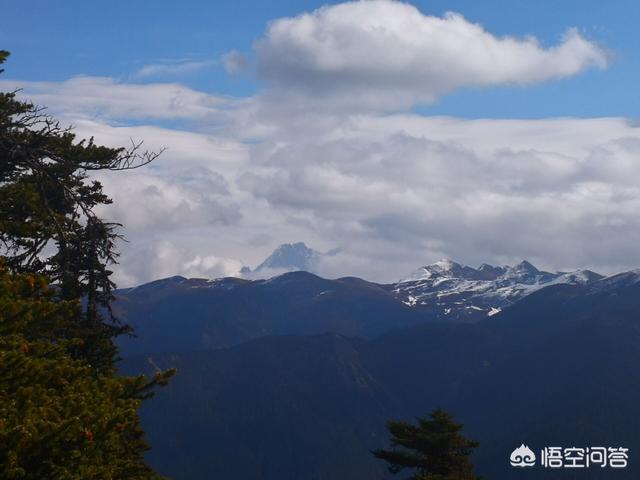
(489, 272)
(579, 277)
(525, 273)
(288, 257)
(449, 289)
(525, 267)
(444, 268)
(619, 280)
(445, 265)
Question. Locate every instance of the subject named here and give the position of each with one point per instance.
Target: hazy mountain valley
(271, 372)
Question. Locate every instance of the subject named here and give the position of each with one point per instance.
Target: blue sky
(57, 40)
(394, 132)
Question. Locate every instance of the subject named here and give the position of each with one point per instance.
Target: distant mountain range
(559, 366)
(180, 314)
(442, 289)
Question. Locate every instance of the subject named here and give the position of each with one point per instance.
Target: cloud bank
(329, 154)
(105, 97)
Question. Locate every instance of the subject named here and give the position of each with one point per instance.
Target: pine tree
(64, 413)
(58, 418)
(47, 220)
(434, 448)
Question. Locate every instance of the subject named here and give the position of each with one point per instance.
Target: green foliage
(59, 419)
(47, 219)
(64, 414)
(434, 448)
(3, 57)
(28, 309)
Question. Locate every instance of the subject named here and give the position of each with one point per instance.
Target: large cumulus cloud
(388, 54)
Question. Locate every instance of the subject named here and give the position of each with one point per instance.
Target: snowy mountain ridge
(449, 289)
(444, 290)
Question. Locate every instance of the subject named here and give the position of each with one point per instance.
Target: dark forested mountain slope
(179, 314)
(277, 408)
(559, 368)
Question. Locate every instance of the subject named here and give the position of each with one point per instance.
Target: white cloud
(234, 62)
(387, 54)
(163, 258)
(174, 68)
(105, 97)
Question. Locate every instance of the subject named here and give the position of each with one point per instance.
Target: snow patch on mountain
(620, 280)
(447, 288)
